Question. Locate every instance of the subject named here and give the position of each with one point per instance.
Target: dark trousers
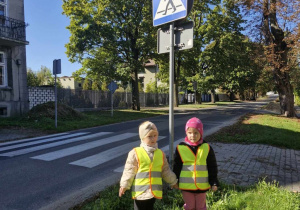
(144, 204)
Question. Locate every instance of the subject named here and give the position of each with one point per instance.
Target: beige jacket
(131, 168)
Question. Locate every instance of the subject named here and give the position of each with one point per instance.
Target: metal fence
(94, 99)
(102, 99)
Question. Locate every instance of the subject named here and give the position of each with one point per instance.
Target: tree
(87, 84)
(186, 62)
(45, 76)
(41, 77)
(115, 34)
(32, 79)
(280, 29)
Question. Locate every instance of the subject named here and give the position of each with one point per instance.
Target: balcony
(12, 32)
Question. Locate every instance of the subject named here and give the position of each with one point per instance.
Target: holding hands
(214, 188)
(122, 191)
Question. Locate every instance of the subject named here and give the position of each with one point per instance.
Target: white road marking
(83, 147)
(108, 155)
(39, 142)
(54, 144)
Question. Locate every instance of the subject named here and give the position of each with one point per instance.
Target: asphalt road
(60, 171)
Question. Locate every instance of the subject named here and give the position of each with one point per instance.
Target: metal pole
(171, 96)
(55, 103)
(112, 104)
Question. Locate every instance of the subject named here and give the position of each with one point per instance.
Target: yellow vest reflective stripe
(194, 174)
(149, 173)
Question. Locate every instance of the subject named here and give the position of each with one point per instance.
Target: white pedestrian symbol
(168, 7)
(173, 6)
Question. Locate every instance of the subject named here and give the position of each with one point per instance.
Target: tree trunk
(198, 97)
(286, 96)
(213, 96)
(231, 96)
(277, 50)
(135, 92)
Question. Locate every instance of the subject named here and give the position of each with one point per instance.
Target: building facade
(71, 83)
(13, 74)
(149, 74)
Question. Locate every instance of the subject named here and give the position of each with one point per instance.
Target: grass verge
(209, 104)
(263, 195)
(86, 120)
(268, 129)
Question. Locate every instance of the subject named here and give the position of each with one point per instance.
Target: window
(3, 111)
(141, 81)
(2, 70)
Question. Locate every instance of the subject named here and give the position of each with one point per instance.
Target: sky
(47, 36)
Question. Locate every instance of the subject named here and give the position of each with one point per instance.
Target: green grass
(262, 129)
(267, 196)
(209, 104)
(88, 119)
(42, 118)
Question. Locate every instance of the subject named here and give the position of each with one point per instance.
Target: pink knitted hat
(195, 123)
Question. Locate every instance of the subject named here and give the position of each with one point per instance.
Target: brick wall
(40, 95)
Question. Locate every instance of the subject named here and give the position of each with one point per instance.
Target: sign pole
(112, 104)
(171, 95)
(55, 103)
(56, 70)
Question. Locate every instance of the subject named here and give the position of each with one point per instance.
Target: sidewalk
(244, 165)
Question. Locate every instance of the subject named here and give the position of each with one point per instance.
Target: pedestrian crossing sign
(165, 11)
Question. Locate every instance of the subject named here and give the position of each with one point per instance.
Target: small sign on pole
(56, 70)
(56, 66)
(112, 87)
(184, 38)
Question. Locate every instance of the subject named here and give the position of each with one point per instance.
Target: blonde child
(145, 168)
(195, 166)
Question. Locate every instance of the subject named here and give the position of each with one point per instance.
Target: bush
(297, 100)
(47, 110)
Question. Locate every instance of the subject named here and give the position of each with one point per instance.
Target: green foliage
(41, 77)
(151, 87)
(260, 196)
(87, 84)
(140, 87)
(104, 86)
(95, 85)
(111, 39)
(32, 79)
(297, 100)
(42, 118)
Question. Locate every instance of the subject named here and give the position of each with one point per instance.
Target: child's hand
(122, 191)
(214, 188)
(175, 186)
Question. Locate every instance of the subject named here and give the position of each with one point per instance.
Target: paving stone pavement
(245, 164)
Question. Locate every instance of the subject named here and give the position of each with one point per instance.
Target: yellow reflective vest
(149, 173)
(194, 174)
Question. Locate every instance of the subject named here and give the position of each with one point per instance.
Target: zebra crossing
(27, 146)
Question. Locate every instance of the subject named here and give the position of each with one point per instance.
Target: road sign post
(56, 70)
(168, 11)
(112, 87)
(171, 95)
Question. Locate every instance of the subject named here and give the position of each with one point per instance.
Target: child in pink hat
(195, 166)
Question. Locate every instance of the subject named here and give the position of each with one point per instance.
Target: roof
(150, 62)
